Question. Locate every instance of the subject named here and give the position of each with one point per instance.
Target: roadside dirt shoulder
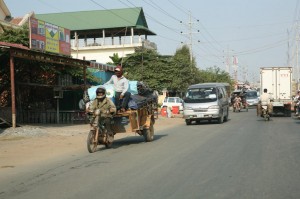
(30, 144)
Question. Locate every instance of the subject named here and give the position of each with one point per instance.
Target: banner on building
(48, 37)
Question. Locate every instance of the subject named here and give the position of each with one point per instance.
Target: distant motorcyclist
(107, 109)
(237, 102)
(297, 103)
(265, 100)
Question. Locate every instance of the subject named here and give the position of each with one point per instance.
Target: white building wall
(4, 11)
(101, 54)
(2, 15)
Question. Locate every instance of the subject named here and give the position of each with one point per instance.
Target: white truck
(278, 81)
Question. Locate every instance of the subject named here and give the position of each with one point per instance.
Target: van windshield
(251, 94)
(201, 95)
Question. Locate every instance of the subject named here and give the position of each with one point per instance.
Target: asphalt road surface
(243, 158)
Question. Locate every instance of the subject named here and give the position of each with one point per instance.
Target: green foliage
(215, 74)
(12, 35)
(174, 73)
(116, 60)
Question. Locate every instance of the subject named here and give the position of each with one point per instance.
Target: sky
(254, 33)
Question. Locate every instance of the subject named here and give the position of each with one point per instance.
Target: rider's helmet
(100, 93)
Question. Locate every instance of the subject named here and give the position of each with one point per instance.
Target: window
(198, 95)
(171, 100)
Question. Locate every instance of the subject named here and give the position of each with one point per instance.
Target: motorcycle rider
(265, 100)
(237, 102)
(297, 103)
(107, 110)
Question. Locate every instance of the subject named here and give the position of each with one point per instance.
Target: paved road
(245, 157)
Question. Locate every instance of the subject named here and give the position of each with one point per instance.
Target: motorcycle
(237, 106)
(297, 106)
(98, 133)
(265, 113)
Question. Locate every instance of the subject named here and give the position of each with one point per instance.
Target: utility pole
(244, 72)
(190, 35)
(235, 65)
(228, 61)
(288, 48)
(297, 55)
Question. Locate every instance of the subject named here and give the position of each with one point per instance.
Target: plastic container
(175, 109)
(163, 111)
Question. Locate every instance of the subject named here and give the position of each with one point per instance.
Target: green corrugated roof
(99, 19)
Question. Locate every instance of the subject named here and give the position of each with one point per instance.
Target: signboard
(48, 37)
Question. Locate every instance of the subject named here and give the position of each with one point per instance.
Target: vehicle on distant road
(252, 98)
(173, 101)
(206, 101)
(278, 82)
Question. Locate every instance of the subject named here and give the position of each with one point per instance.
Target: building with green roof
(98, 34)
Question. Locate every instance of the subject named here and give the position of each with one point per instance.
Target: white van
(173, 101)
(206, 101)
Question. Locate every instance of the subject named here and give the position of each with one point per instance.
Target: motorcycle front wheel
(92, 142)
(109, 141)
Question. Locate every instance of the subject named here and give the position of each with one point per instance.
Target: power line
(203, 28)
(263, 48)
(190, 33)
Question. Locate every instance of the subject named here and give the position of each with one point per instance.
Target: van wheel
(226, 117)
(221, 119)
(188, 122)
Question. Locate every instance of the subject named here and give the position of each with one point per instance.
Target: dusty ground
(29, 144)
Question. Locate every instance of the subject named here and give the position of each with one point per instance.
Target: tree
(215, 74)
(12, 35)
(174, 73)
(116, 60)
(185, 71)
(147, 66)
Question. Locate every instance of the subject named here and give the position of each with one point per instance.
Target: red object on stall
(175, 109)
(163, 111)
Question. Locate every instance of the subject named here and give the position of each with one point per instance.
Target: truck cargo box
(278, 81)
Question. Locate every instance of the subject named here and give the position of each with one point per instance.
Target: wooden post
(12, 85)
(84, 75)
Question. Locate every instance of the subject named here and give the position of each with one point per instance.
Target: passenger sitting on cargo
(265, 100)
(121, 86)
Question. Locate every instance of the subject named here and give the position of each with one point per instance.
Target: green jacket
(107, 107)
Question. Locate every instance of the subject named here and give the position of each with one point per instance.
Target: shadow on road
(126, 141)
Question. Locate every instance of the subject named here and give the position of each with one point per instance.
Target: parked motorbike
(98, 133)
